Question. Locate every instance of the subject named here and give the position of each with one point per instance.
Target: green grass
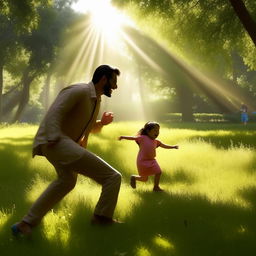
(208, 207)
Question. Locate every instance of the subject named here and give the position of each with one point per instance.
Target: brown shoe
(133, 182)
(103, 220)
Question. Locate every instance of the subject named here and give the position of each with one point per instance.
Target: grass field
(208, 207)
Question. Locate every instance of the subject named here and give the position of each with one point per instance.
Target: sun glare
(105, 19)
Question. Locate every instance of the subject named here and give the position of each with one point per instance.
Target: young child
(244, 114)
(146, 162)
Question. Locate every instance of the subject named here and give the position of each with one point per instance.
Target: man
(62, 139)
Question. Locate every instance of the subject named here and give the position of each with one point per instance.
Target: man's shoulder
(78, 88)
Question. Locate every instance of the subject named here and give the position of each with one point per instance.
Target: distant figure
(244, 114)
(62, 139)
(146, 162)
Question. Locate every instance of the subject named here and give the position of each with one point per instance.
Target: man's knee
(68, 184)
(117, 177)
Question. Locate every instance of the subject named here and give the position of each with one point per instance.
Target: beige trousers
(88, 165)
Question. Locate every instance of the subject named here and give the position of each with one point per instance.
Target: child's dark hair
(147, 127)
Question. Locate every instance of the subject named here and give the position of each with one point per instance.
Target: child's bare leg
(137, 177)
(156, 182)
(141, 178)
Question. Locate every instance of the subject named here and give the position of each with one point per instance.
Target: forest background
(210, 40)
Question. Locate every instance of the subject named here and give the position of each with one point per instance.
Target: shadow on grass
(179, 176)
(163, 224)
(249, 194)
(166, 224)
(16, 176)
(194, 226)
(15, 173)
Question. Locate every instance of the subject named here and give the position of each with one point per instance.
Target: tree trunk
(27, 79)
(1, 89)
(46, 92)
(185, 96)
(146, 111)
(59, 85)
(245, 18)
(178, 73)
(9, 103)
(234, 67)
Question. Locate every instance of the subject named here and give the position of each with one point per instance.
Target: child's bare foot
(21, 229)
(133, 182)
(157, 189)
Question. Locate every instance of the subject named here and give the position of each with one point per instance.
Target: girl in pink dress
(146, 162)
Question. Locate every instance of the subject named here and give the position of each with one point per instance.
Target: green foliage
(201, 30)
(22, 13)
(206, 34)
(44, 41)
(28, 54)
(248, 50)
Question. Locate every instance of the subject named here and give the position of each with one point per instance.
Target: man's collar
(92, 90)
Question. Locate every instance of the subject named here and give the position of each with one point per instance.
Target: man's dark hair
(104, 70)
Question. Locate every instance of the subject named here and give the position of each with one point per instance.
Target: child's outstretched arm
(162, 145)
(127, 138)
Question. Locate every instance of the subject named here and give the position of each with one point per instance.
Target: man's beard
(107, 89)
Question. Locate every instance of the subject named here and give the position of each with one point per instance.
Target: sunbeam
(81, 54)
(107, 36)
(104, 18)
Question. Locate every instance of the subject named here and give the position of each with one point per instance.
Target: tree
(36, 28)
(245, 18)
(16, 18)
(7, 48)
(42, 44)
(23, 13)
(205, 33)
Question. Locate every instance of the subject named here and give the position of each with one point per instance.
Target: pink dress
(146, 162)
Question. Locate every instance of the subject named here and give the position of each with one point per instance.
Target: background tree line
(215, 36)
(30, 38)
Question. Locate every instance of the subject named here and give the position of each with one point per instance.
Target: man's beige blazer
(70, 116)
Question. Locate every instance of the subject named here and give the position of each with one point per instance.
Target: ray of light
(82, 54)
(103, 39)
(174, 68)
(89, 58)
(140, 52)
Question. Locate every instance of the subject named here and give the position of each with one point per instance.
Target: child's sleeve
(138, 139)
(158, 143)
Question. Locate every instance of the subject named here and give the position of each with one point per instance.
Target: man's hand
(107, 118)
(83, 142)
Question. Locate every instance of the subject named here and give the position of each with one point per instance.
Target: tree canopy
(215, 36)
(207, 34)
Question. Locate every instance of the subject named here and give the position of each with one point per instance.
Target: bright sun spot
(105, 18)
